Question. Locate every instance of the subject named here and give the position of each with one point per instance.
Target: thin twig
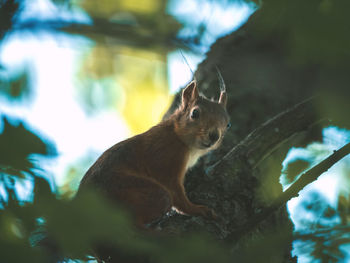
(306, 178)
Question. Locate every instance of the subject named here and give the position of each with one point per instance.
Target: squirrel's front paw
(206, 212)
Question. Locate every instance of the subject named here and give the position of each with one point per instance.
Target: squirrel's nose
(213, 136)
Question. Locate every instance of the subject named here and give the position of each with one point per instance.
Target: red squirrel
(146, 172)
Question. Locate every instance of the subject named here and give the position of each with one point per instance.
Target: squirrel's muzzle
(213, 136)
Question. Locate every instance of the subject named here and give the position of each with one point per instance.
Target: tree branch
(260, 143)
(137, 36)
(293, 191)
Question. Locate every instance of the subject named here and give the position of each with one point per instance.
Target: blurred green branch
(145, 33)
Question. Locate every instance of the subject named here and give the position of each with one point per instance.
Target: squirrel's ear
(223, 98)
(190, 93)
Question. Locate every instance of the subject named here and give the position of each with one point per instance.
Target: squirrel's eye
(228, 125)
(195, 114)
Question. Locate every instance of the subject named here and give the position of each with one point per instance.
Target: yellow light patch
(141, 6)
(108, 8)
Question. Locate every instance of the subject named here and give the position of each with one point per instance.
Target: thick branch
(145, 36)
(268, 137)
(293, 191)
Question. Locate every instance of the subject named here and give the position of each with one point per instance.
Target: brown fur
(146, 172)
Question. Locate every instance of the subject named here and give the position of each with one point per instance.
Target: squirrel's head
(201, 123)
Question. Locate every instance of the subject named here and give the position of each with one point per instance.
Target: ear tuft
(190, 93)
(223, 99)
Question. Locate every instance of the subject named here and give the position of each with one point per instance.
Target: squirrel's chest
(193, 157)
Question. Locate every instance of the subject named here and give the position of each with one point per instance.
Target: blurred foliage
(147, 96)
(112, 82)
(146, 16)
(18, 144)
(17, 87)
(109, 8)
(108, 75)
(268, 249)
(142, 24)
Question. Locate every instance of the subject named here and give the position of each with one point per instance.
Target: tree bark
(262, 82)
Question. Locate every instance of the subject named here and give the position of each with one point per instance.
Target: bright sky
(328, 184)
(55, 110)
(220, 18)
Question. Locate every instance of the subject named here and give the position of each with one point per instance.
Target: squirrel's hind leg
(146, 199)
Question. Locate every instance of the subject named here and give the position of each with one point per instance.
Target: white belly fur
(194, 156)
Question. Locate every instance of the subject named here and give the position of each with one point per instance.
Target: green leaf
(17, 144)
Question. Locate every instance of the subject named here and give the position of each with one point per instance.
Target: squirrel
(146, 172)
